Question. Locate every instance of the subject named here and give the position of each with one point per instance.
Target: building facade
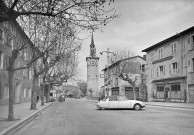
(11, 37)
(170, 68)
(113, 85)
(92, 71)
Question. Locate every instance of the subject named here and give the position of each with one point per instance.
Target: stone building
(92, 71)
(170, 68)
(12, 36)
(113, 85)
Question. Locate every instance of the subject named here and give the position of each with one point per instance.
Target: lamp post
(107, 52)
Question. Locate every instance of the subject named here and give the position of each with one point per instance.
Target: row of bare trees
(53, 27)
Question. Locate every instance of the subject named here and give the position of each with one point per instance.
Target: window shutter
(170, 69)
(172, 48)
(178, 68)
(4, 61)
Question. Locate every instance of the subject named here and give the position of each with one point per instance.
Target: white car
(119, 102)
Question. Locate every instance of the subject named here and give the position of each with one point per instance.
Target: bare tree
(32, 14)
(121, 54)
(129, 72)
(82, 13)
(83, 86)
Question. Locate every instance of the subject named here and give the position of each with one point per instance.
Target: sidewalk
(22, 115)
(172, 105)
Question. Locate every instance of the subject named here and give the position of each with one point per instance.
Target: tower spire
(92, 39)
(92, 47)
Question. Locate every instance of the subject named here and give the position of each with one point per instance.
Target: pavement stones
(22, 115)
(172, 105)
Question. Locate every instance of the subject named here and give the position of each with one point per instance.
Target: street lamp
(107, 52)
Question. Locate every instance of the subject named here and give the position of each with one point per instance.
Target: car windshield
(122, 98)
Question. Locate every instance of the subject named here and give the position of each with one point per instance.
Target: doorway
(17, 92)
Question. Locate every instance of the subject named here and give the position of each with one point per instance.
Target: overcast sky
(141, 24)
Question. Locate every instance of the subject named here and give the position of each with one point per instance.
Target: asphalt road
(80, 117)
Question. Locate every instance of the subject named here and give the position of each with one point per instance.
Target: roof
(169, 39)
(117, 62)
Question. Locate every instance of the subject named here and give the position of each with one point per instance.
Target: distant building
(170, 68)
(92, 71)
(11, 36)
(113, 85)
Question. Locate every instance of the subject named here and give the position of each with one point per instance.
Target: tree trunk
(34, 93)
(134, 94)
(48, 94)
(11, 96)
(42, 94)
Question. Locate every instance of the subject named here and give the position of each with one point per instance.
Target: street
(80, 117)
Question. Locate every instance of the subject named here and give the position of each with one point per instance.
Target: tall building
(12, 36)
(92, 71)
(170, 68)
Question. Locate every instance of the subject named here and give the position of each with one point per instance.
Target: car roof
(115, 96)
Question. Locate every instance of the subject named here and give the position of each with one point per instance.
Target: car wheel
(137, 107)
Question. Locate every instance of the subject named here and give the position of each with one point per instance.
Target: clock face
(92, 63)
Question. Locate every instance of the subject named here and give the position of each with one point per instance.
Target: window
(160, 53)
(160, 88)
(30, 74)
(12, 44)
(6, 24)
(189, 62)
(152, 56)
(6, 92)
(175, 87)
(13, 30)
(143, 68)
(116, 81)
(193, 64)
(25, 55)
(174, 48)
(122, 98)
(152, 73)
(161, 71)
(113, 98)
(1, 34)
(28, 92)
(1, 60)
(175, 68)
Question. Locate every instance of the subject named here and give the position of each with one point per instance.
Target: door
(17, 92)
(113, 102)
(124, 102)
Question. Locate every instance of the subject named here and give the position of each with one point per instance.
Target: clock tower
(92, 71)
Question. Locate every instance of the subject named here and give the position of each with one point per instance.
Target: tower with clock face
(92, 71)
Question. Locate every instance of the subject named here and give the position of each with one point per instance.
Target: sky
(142, 23)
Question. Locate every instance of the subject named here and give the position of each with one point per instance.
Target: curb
(170, 106)
(22, 122)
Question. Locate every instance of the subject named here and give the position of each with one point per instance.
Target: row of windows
(190, 41)
(174, 69)
(12, 44)
(174, 87)
(24, 92)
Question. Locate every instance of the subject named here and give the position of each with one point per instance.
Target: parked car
(119, 102)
